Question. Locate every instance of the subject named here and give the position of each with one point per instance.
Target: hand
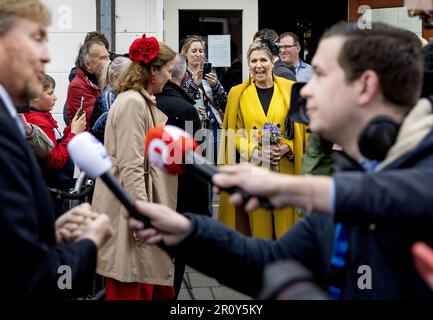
(276, 154)
(254, 180)
(167, 225)
(212, 79)
(78, 124)
(99, 230)
(278, 151)
(27, 126)
(70, 225)
(423, 258)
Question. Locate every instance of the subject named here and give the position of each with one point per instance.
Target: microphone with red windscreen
(173, 150)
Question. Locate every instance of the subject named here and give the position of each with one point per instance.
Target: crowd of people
(374, 210)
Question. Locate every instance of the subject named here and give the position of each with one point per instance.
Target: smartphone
(207, 68)
(80, 113)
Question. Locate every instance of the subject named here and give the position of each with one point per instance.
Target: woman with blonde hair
(263, 99)
(205, 89)
(108, 77)
(133, 270)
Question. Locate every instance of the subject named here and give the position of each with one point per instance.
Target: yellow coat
(244, 111)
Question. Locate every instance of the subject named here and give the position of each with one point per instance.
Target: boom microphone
(91, 156)
(173, 150)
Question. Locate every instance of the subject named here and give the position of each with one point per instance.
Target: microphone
(173, 150)
(91, 156)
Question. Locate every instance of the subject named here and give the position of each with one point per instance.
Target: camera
(298, 110)
(298, 105)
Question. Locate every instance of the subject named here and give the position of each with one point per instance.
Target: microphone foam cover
(165, 147)
(89, 154)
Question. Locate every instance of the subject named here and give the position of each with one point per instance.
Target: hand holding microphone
(172, 150)
(91, 156)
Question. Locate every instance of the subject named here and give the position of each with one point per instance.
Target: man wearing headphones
(357, 242)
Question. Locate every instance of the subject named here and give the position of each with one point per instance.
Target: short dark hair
(96, 36)
(292, 35)
(394, 54)
(266, 33)
(48, 82)
(93, 37)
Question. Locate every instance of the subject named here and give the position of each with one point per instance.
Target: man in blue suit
(36, 250)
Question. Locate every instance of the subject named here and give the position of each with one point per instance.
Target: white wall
(72, 19)
(397, 17)
(135, 17)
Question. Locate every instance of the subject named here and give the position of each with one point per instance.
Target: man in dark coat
(41, 258)
(357, 243)
(192, 195)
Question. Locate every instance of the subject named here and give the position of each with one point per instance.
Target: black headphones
(377, 137)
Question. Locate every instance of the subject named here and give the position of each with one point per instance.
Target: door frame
(250, 21)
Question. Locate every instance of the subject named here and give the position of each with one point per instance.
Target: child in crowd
(57, 167)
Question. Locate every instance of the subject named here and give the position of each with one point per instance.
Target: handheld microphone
(173, 150)
(91, 156)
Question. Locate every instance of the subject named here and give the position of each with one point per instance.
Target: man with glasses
(289, 54)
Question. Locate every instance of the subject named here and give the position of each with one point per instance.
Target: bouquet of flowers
(269, 135)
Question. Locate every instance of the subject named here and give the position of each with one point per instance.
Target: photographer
(365, 220)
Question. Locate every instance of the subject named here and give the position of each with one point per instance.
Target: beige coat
(124, 258)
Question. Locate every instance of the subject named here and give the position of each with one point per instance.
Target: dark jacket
(384, 212)
(30, 256)
(192, 193)
(283, 70)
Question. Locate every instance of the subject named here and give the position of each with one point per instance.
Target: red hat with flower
(144, 49)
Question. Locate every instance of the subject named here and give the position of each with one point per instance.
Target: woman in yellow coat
(264, 98)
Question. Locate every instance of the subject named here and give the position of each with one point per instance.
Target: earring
(153, 80)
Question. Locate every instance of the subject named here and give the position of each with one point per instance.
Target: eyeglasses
(287, 46)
